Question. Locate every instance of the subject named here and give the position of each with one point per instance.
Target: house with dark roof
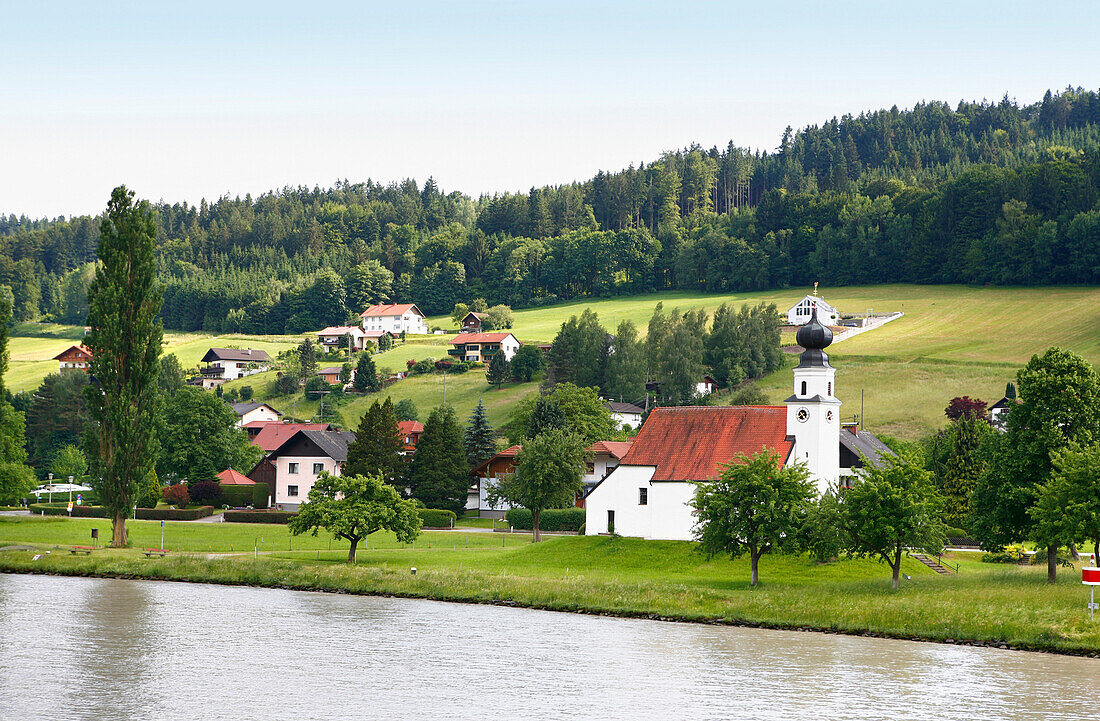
(625, 415)
(227, 364)
(473, 322)
(483, 346)
(649, 493)
(249, 413)
(293, 467)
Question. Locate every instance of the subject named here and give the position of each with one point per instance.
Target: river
(77, 648)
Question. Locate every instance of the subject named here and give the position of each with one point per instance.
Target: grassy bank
(985, 603)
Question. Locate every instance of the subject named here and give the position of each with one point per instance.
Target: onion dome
(814, 337)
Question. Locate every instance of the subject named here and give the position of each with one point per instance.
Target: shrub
(236, 496)
(259, 516)
(246, 393)
(61, 510)
(286, 384)
(748, 395)
(436, 518)
(174, 514)
(314, 386)
(260, 495)
(1010, 554)
(176, 495)
(203, 492)
(552, 519)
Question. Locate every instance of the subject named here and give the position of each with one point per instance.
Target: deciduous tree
(548, 475)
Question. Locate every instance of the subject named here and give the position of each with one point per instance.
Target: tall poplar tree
(626, 365)
(124, 301)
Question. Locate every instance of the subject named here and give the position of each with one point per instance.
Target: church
(649, 494)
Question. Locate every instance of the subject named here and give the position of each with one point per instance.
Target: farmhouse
(396, 318)
(800, 312)
(330, 375)
(482, 346)
(333, 336)
(649, 493)
(226, 364)
(473, 322)
(410, 431)
(601, 458)
(625, 415)
(75, 357)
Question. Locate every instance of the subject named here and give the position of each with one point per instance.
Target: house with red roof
(397, 318)
(649, 493)
(230, 477)
(410, 434)
(483, 346)
(75, 357)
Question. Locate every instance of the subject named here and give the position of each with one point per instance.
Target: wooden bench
(150, 552)
(86, 550)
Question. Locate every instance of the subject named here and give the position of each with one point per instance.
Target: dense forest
(986, 192)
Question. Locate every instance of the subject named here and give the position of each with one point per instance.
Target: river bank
(986, 605)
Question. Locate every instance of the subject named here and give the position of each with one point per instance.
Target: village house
(410, 432)
(999, 410)
(482, 346)
(800, 312)
(299, 460)
(269, 435)
(330, 375)
(625, 415)
(706, 386)
(473, 322)
(601, 458)
(396, 318)
(227, 364)
(649, 493)
(75, 357)
(333, 337)
(249, 412)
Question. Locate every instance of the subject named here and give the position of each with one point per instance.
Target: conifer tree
(497, 372)
(547, 415)
(366, 376)
(438, 471)
(377, 448)
(480, 436)
(124, 301)
(307, 357)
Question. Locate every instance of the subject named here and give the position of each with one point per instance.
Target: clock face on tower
(802, 415)
(829, 416)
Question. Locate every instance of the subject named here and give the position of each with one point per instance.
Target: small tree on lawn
(353, 507)
(528, 361)
(346, 372)
(307, 358)
(480, 438)
(497, 372)
(892, 507)
(548, 475)
(366, 376)
(385, 342)
(756, 505)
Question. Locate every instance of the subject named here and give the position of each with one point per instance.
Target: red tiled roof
(688, 443)
(229, 477)
(80, 351)
(410, 426)
(388, 309)
(509, 452)
(340, 330)
(617, 449)
(465, 338)
(274, 433)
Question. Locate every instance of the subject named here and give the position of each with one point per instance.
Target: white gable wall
(667, 514)
(800, 312)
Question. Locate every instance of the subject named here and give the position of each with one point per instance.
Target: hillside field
(952, 340)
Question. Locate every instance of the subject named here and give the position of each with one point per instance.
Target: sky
(181, 101)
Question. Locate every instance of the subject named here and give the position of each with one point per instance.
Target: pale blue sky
(198, 99)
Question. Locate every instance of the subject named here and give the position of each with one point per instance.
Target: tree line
(981, 193)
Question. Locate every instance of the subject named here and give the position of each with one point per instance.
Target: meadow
(952, 340)
(984, 603)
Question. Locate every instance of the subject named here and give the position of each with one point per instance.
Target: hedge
(436, 518)
(261, 494)
(259, 516)
(144, 514)
(552, 519)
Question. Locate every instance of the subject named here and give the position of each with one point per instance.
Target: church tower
(813, 412)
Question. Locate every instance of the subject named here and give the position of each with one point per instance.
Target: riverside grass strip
(986, 604)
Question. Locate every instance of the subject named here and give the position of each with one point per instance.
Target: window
(643, 496)
(318, 467)
(293, 468)
(611, 521)
(830, 388)
(803, 388)
(591, 467)
(292, 491)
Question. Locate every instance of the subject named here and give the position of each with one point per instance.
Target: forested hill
(980, 193)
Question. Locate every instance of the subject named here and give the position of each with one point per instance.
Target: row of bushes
(436, 518)
(259, 516)
(552, 519)
(241, 496)
(144, 514)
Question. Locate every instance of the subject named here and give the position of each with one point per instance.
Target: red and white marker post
(1091, 578)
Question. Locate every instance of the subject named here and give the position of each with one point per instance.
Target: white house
(800, 312)
(301, 459)
(706, 386)
(625, 415)
(394, 317)
(482, 346)
(649, 494)
(333, 336)
(227, 364)
(253, 412)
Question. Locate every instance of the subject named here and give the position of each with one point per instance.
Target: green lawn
(985, 602)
